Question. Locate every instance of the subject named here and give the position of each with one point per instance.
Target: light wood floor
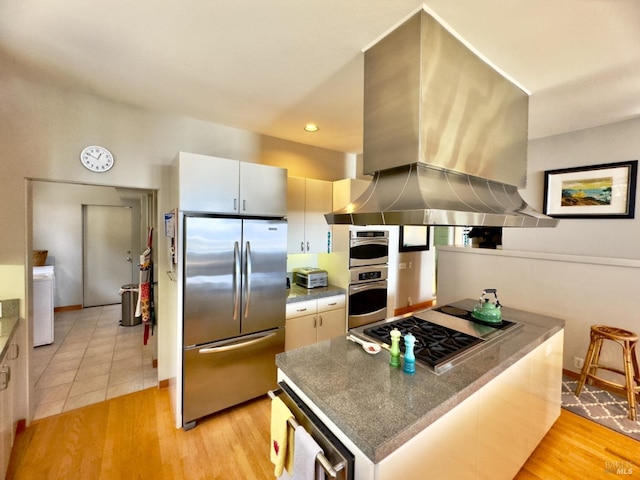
(133, 437)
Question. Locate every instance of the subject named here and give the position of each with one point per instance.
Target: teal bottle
(409, 357)
(394, 361)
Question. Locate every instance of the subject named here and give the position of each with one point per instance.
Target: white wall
(583, 291)
(57, 227)
(592, 237)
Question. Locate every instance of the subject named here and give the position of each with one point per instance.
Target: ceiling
(271, 66)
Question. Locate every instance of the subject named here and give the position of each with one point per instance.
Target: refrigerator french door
(234, 310)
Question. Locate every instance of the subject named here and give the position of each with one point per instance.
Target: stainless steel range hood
(445, 136)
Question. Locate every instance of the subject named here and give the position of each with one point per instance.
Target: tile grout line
(120, 336)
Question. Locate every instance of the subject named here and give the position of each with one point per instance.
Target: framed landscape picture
(596, 191)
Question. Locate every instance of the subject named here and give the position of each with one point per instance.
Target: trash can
(129, 295)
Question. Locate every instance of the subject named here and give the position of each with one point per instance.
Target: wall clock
(96, 159)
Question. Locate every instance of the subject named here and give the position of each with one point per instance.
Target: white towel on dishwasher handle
(305, 452)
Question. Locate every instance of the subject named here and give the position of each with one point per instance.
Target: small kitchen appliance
(310, 277)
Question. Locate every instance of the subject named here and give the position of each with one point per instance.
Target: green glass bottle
(395, 348)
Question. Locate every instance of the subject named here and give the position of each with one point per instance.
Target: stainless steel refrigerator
(234, 310)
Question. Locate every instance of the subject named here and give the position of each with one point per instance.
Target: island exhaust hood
(445, 136)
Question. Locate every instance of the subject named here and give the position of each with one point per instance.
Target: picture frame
(606, 190)
(414, 238)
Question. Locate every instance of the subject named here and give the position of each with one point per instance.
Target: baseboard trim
(163, 384)
(67, 308)
(413, 308)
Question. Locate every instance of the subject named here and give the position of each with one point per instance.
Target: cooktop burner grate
(435, 344)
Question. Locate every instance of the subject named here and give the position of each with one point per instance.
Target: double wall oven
(368, 257)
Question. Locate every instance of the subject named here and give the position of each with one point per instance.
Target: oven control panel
(370, 273)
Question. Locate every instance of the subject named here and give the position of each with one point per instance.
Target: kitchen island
(481, 419)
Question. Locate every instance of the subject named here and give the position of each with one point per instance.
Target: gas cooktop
(445, 336)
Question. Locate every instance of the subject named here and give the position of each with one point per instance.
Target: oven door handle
(330, 470)
(369, 241)
(367, 286)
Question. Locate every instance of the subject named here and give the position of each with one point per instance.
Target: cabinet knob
(320, 320)
(301, 310)
(302, 246)
(308, 247)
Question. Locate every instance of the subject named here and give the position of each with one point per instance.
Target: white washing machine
(43, 290)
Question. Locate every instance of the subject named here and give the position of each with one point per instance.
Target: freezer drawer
(222, 374)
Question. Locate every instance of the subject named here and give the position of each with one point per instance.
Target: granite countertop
(380, 408)
(300, 294)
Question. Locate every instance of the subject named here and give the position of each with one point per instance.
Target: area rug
(601, 406)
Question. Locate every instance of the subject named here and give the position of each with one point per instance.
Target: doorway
(56, 212)
(107, 253)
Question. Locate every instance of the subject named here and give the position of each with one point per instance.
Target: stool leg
(629, 368)
(587, 365)
(634, 360)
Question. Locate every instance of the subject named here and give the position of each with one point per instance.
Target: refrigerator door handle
(236, 280)
(236, 346)
(247, 281)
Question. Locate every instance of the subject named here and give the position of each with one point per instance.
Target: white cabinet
(308, 200)
(219, 185)
(312, 321)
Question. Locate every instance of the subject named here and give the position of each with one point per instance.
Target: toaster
(310, 277)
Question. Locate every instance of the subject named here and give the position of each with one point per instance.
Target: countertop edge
(301, 294)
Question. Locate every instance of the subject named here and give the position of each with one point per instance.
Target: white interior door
(107, 253)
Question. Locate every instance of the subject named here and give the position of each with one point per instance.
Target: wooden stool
(627, 340)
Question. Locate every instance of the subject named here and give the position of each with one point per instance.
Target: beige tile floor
(92, 359)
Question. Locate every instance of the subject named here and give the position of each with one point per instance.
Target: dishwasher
(336, 460)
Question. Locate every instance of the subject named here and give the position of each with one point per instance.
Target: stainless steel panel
(430, 99)
(222, 374)
(445, 136)
(367, 303)
(211, 279)
(368, 273)
(263, 190)
(419, 194)
(264, 246)
(368, 251)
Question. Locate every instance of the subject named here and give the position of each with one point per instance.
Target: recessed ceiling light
(311, 127)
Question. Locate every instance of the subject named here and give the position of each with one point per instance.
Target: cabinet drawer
(331, 303)
(298, 309)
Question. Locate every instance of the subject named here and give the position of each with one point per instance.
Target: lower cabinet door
(300, 331)
(331, 324)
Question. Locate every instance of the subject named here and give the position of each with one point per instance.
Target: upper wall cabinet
(219, 185)
(308, 200)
